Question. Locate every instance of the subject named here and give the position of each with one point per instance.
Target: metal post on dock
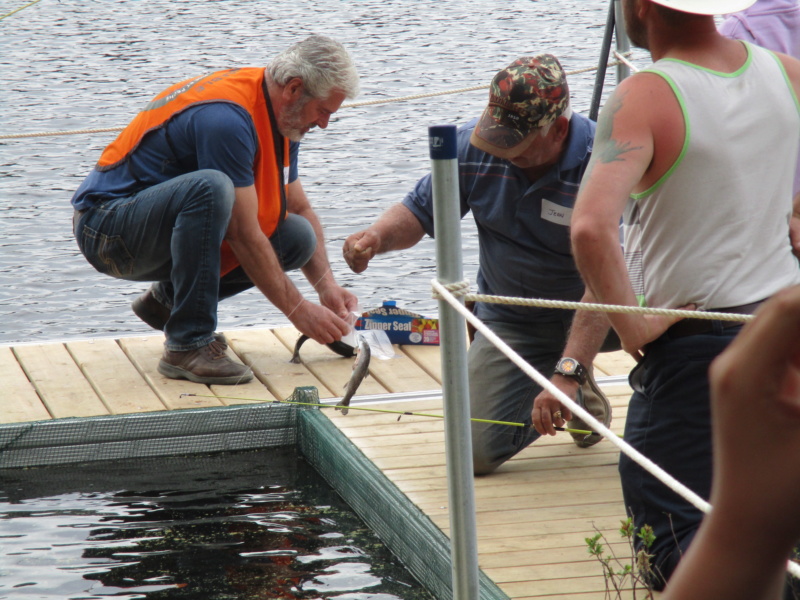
(615, 24)
(455, 386)
(623, 43)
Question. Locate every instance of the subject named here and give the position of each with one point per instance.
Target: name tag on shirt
(555, 213)
(286, 174)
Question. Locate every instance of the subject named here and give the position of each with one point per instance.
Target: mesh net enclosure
(86, 439)
(421, 546)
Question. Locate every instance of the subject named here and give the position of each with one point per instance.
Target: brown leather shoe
(596, 404)
(209, 364)
(150, 310)
(155, 314)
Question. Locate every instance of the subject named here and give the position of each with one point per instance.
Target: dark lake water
(75, 64)
(240, 526)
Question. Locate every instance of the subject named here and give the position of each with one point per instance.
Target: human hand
(546, 405)
(645, 329)
(339, 300)
(360, 248)
(318, 322)
(755, 395)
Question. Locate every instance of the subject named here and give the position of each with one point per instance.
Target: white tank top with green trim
(714, 230)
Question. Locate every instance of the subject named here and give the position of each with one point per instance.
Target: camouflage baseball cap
(530, 93)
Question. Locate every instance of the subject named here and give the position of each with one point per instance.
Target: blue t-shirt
(523, 226)
(217, 135)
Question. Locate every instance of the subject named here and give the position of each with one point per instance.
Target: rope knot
(457, 288)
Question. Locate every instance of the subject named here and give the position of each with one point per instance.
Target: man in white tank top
(698, 152)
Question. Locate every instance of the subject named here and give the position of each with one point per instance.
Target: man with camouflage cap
(520, 165)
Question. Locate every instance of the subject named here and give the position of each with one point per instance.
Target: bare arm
(586, 335)
(622, 159)
(792, 67)
(741, 548)
(256, 255)
(396, 229)
(318, 269)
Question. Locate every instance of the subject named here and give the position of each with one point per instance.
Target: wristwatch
(569, 367)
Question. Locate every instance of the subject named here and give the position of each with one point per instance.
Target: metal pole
(455, 387)
(605, 51)
(623, 43)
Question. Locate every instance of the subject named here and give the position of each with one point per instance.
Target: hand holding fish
(341, 301)
(318, 322)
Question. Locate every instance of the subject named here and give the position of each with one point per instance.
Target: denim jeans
(171, 234)
(669, 421)
(500, 391)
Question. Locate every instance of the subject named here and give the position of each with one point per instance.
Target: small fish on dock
(360, 370)
(339, 347)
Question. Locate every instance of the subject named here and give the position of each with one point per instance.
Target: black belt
(689, 326)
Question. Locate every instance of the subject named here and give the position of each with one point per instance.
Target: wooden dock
(533, 514)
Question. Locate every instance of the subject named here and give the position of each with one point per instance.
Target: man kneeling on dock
(520, 165)
(200, 195)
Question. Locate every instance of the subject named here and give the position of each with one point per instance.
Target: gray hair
(321, 63)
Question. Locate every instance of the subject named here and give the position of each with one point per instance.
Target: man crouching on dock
(519, 168)
(200, 194)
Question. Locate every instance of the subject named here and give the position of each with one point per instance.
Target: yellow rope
(16, 136)
(19, 9)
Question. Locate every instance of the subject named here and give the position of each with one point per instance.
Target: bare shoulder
(640, 105)
(792, 67)
(642, 119)
(649, 93)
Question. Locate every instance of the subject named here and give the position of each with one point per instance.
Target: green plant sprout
(635, 575)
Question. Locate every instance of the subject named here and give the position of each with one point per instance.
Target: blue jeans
(500, 391)
(171, 233)
(669, 421)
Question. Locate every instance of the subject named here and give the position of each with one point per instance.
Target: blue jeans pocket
(107, 254)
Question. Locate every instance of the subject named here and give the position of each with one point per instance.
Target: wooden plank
(20, 401)
(614, 363)
(269, 358)
(547, 556)
(538, 573)
(330, 368)
(402, 374)
(435, 505)
(625, 594)
(115, 379)
(59, 382)
(145, 352)
(427, 357)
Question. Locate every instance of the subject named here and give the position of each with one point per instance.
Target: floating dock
(533, 514)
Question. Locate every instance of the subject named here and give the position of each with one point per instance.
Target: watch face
(567, 365)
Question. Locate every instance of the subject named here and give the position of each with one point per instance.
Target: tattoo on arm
(606, 148)
(611, 149)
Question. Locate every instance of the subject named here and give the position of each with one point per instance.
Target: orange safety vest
(244, 87)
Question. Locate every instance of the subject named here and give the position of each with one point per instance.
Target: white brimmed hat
(707, 7)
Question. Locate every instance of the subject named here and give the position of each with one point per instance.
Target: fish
(360, 370)
(338, 346)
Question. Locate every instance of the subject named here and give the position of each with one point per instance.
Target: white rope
(622, 58)
(461, 290)
(16, 136)
(657, 472)
(597, 426)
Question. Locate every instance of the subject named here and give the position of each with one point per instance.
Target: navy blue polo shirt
(523, 226)
(217, 135)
